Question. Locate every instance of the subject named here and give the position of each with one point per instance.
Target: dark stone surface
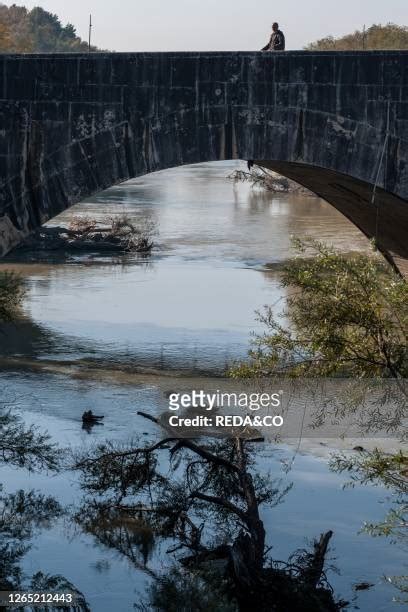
(75, 124)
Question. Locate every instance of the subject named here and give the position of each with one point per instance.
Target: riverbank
(118, 234)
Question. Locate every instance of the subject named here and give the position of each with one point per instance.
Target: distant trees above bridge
(390, 36)
(39, 31)
(36, 31)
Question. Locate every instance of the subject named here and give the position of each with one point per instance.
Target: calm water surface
(115, 333)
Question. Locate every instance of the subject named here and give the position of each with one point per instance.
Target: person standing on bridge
(276, 41)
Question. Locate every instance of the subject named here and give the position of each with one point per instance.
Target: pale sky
(184, 25)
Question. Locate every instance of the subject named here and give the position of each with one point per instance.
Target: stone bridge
(74, 124)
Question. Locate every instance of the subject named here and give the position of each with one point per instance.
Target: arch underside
(47, 184)
(385, 220)
(73, 125)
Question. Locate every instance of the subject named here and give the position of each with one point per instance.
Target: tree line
(36, 31)
(39, 31)
(389, 36)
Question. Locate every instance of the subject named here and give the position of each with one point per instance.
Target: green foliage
(20, 514)
(41, 582)
(390, 36)
(184, 591)
(23, 513)
(26, 447)
(5, 40)
(12, 292)
(348, 317)
(391, 471)
(14, 20)
(36, 31)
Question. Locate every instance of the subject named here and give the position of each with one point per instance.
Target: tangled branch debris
(268, 180)
(115, 234)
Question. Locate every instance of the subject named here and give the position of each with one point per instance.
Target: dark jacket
(276, 42)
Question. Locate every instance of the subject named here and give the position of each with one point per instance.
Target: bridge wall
(72, 125)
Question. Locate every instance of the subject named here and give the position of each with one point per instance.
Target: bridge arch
(74, 124)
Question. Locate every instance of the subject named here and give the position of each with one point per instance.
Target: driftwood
(268, 180)
(314, 572)
(85, 235)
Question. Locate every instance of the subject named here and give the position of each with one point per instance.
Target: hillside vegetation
(36, 31)
(390, 36)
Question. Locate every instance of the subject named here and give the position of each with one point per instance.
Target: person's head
(275, 26)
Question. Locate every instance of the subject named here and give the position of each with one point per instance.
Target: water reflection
(25, 513)
(205, 500)
(183, 306)
(116, 334)
(316, 503)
